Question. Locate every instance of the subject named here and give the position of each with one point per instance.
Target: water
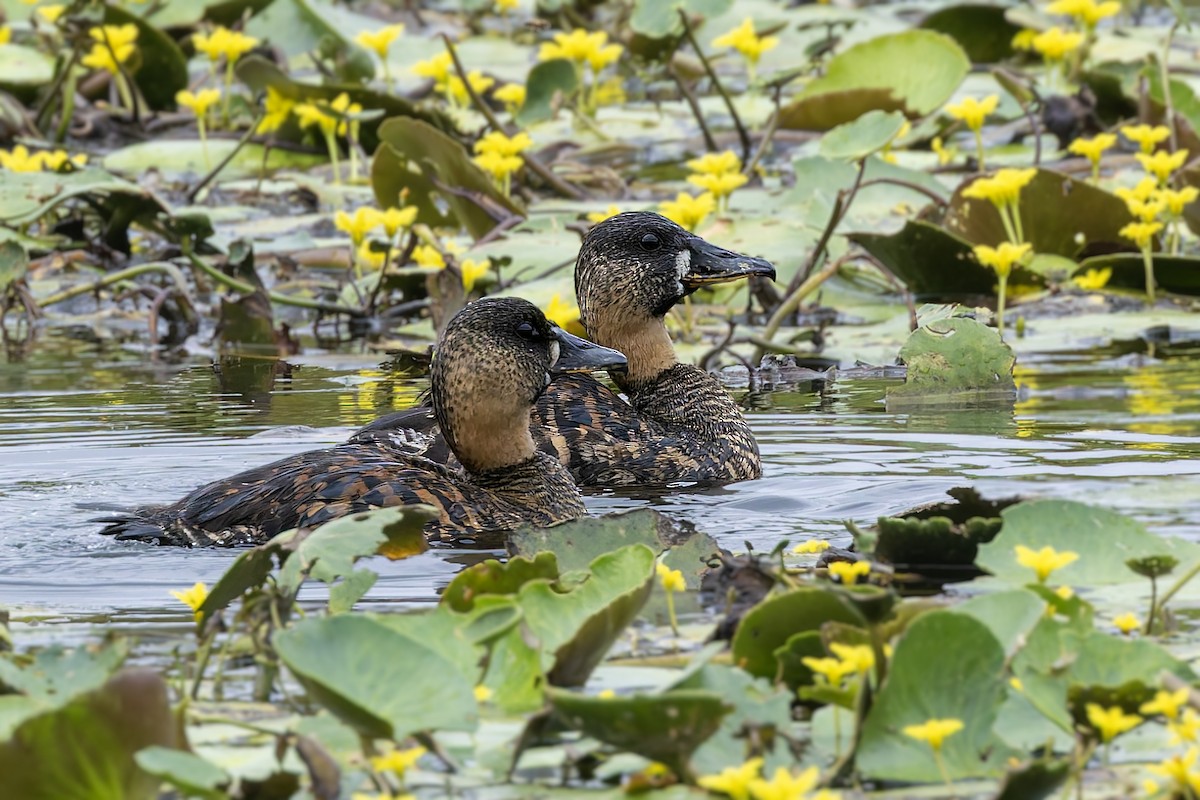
(87, 423)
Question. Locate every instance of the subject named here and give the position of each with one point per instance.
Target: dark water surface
(86, 425)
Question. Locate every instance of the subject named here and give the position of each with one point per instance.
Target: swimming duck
(492, 363)
(677, 424)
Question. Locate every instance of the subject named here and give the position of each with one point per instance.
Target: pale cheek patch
(683, 264)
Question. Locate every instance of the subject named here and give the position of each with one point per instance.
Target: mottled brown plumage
(492, 363)
(678, 424)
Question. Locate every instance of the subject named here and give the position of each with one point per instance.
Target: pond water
(87, 424)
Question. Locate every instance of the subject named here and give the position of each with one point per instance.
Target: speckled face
(640, 264)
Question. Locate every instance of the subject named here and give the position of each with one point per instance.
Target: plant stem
(215, 171)
(331, 146)
(1179, 584)
(245, 288)
(712, 76)
(228, 92)
(671, 612)
(1148, 262)
(1003, 280)
(978, 147)
(1153, 603)
(789, 305)
(172, 271)
(941, 765)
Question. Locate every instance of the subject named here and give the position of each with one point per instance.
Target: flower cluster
(113, 46)
(745, 783)
(19, 159)
(847, 661)
(366, 220)
(583, 49)
(746, 41)
(499, 155)
(718, 174)
(972, 113)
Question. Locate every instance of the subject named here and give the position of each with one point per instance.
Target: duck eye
(650, 243)
(526, 331)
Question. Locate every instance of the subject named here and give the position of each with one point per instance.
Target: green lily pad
(377, 680)
(1009, 615)
(1103, 539)
(445, 165)
(658, 19)
(769, 625)
(667, 728)
(24, 68)
(870, 133)
(969, 687)
(913, 544)
(163, 68)
(790, 657)
(547, 80)
(1059, 215)
(179, 158)
(953, 357)
(26, 196)
(983, 31)
(300, 27)
(187, 772)
(85, 748)
(493, 577)
(1178, 274)
(14, 262)
(914, 72)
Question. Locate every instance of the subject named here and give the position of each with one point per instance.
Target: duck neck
(646, 345)
(487, 442)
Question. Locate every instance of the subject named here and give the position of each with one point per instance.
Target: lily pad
(179, 158)
(1103, 539)
(493, 577)
(547, 80)
(969, 687)
(870, 133)
(658, 19)
(914, 72)
(769, 625)
(188, 772)
(377, 680)
(983, 31)
(666, 728)
(23, 69)
(27, 196)
(954, 357)
(163, 69)
(1178, 274)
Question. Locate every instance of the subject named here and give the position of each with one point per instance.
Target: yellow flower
(972, 112)
(688, 211)
(500, 166)
(1016, 684)
(1003, 188)
(223, 42)
(733, 782)
(364, 221)
(849, 572)
(367, 257)
(438, 68)
(744, 39)
(1178, 768)
(277, 109)
(1167, 703)
(610, 93)
(1044, 561)
(456, 90)
(1127, 623)
(393, 219)
(1002, 258)
(1110, 722)
(833, 670)
(719, 185)
(945, 154)
(19, 159)
(497, 142)
(606, 694)
(1146, 189)
(1186, 729)
(193, 598)
(5, 35)
(1093, 148)
(671, 579)
(562, 313)
(1176, 199)
(811, 547)
(309, 114)
(716, 163)
(473, 271)
(859, 656)
(200, 102)
(342, 105)
(934, 732)
(1145, 210)
(51, 13)
(505, 6)
(1024, 39)
(599, 216)
(1093, 280)
(55, 160)
(1065, 592)
(785, 786)
(424, 255)
(582, 47)
(1087, 12)
(114, 45)
(1141, 233)
(397, 762)
(1147, 137)
(483, 694)
(512, 95)
(1161, 164)
(381, 40)
(1056, 44)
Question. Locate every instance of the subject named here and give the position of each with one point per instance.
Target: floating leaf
(23, 69)
(983, 31)
(493, 577)
(870, 133)
(769, 625)
(657, 19)
(547, 80)
(186, 771)
(1178, 274)
(955, 357)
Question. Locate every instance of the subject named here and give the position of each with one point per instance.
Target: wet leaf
(1009, 615)
(870, 133)
(956, 356)
(1178, 274)
(86, 747)
(772, 623)
(914, 72)
(547, 80)
(14, 262)
(304, 26)
(379, 681)
(54, 678)
(493, 577)
(185, 771)
(969, 687)
(1103, 539)
(983, 31)
(658, 19)
(24, 68)
(667, 728)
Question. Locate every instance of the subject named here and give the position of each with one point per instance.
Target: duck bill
(710, 264)
(579, 355)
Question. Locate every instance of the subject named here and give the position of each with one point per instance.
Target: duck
(491, 365)
(675, 424)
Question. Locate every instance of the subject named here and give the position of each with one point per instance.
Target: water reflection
(87, 424)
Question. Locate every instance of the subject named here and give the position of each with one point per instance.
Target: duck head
(632, 269)
(491, 364)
